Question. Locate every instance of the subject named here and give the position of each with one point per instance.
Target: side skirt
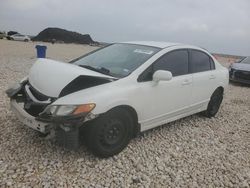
(146, 125)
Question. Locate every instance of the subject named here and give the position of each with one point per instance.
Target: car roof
(153, 43)
(163, 45)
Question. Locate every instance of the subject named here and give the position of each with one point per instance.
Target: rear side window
(200, 62)
(176, 62)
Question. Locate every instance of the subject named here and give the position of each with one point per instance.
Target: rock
(9, 183)
(62, 35)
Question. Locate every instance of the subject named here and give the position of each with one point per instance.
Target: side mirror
(162, 75)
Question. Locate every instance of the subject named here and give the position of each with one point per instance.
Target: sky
(221, 26)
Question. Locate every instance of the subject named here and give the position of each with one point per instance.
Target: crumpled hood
(241, 66)
(49, 77)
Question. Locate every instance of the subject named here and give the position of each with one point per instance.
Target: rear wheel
(214, 103)
(110, 133)
(26, 40)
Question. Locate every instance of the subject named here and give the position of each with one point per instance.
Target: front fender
(105, 97)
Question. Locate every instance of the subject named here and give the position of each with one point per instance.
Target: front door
(165, 100)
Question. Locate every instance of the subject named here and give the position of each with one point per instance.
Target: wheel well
(220, 89)
(134, 115)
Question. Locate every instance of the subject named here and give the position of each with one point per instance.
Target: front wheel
(110, 133)
(214, 103)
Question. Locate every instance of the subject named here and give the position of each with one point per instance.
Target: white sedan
(19, 37)
(111, 94)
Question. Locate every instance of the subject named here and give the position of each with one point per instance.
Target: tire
(68, 139)
(26, 40)
(110, 133)
(214, 103)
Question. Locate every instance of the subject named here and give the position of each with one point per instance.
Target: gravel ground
(191, 152)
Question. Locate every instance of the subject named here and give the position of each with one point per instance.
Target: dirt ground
(191, 152)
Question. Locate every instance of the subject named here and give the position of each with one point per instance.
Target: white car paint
(20, 37)
(49, 77)
(154, 103)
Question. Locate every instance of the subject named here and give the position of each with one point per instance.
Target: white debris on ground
(191, 152)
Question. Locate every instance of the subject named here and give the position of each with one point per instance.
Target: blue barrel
(41, 51)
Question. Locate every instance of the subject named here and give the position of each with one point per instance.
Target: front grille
(244, 75)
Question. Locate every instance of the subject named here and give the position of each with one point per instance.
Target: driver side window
(176, 62)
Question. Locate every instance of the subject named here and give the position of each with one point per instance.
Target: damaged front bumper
(239, 76)
(66, 129)
(27, 119)
(66, 132)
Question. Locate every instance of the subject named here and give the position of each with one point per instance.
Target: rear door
(204, 77)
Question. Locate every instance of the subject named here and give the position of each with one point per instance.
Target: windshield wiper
(100, 70)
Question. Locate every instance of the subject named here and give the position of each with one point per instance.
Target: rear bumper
(27, 119)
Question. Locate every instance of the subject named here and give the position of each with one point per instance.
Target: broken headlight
(67, 110)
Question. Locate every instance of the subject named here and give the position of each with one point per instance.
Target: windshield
(117, 60)
(246, 60)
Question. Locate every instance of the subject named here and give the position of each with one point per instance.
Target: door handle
(186, 82)
(212, 77)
